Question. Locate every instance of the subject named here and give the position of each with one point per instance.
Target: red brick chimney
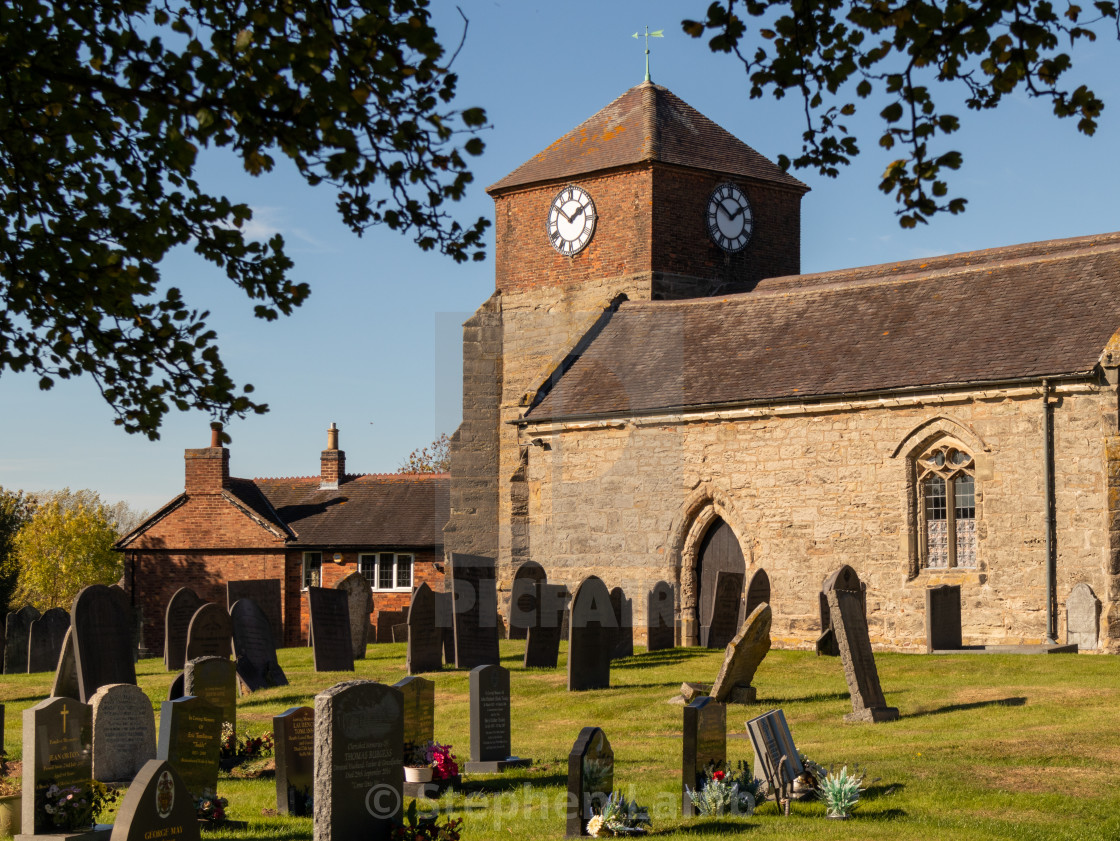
(208, 469)
(332, 462)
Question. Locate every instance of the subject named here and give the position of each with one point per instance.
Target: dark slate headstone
(523, 603)
(45, 639)
(360, 600)
(624, 632)
(210, 633)
(177, 689)
(705, 742)
(425, 640)
(850, 625)
(124, 732)
(445, 621)
(590, 779)
(359, 761)
(1083, 618)
(418, 698)
(190, 738)
(943, 618)
(257, 667)
(844, 578)
(490, 739)
(330, 629)
(176, 621)
(727, 601)
(134, 619)
(293, 735)
(476, 611)
(66, 673)
(103, 644)
(214, 680)
(17, 631)
(157, 807)
(400, 632)
(592, 623)
(266, 593)
(57, 746)
(659, 617)
(542, 645)
(758, 591)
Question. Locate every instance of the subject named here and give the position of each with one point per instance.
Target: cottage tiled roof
(1038, 310)
(647, 123)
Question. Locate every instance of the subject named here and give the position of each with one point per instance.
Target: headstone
(124, 603)
(57, 746)
(266, 593)
(210, 633)
(523, 604)
(1083, 617)
(705, 742)
(445, 621)
(103, 644)
(178, 687)
(418, 699)
(624, 615)
(66, 673)
(293, 736)
(17, 630)
(490, 740)
(361, 606)
(727, 601)
(181, 608)
(844, 578)
(659, 617)
(45, 639)
(475, 611)
(943, 618)
(214, 680)
(400, 632)
(257, 667)
(425, 639)
(542, 644)
(590, 779)
(190, 738)
(157, 807)
(850, 624)
(744, 654)
(592, 621)
(124, 732)
(330, 629)
(776, 759)
(758, 591)
(359, 761)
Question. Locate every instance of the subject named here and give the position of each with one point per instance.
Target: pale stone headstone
(1083, 617)
(214, 680)
(66, 673)
(590, 779)
(45, 638)
(943, 618)
(360, 599)
(17, 629)
(293, 734)
(776, 759)
(659, 617)
(104, 649)
(181, 607)
(850, 624)
(157, 807)
(476, 610)
(124, 732)
(705, 742)
(425, 639)
(210, 633)
(418, 697)
(266, 593)
(592, 626)
(257, 667)
(190, 738)
(727, 603)
(523, 606)
(542, 643)
(333, 650)
(744, 654)
(490, 725)
(57, 746)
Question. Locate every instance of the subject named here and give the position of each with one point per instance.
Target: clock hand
(576, 213)
(560, 210)
(731, 216)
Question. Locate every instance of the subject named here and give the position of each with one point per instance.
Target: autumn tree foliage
(16, 508)
(434, 458)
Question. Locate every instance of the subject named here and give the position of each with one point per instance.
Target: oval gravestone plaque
(157, 807)
(209, 633)
(180, 610)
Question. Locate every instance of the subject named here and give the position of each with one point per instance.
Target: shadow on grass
(715, 827)
(807, 699)
(510, 784)
(873, 792)
(664, 657)
(975, 705)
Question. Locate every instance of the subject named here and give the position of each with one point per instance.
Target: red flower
(718, 775)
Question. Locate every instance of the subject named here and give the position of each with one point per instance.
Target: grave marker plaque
(523, 600)
(475, 611)
(214, 680)
(266, 593)
(425, 638)
(776, 760)
(542, 644)
(257, 667)
(705, 742)
(333, 649)
(1083, 617)
(850, 624)
(210, 633)
(57, 746)
(592, 622)
(360, 601)
(45, 640)
(727, 601)
(190, 737)
(66, 674)
(17, 631)
(744, 654)
(490, 740)
(758, 591)
(103, 644)
(624, 617)
(181, 608)
(590, 779)
(943, 618)
(659, 617)
(124, 732)
(157, 807)
(293, 734)
(418, 699)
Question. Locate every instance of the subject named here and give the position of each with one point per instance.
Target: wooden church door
(719, 551)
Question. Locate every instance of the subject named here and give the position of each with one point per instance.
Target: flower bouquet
(619, 817)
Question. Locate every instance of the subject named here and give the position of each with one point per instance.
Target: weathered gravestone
(135, 619)
(590, 779)
(418, 700)
(776, 759)
(445, 621)
(57, 747)
(210, 633)
(360, 601)
(266, 593)
(359, 761)
(744, 654)
(727, 600)
(1083, 616)
(257, 667)
(66, 673)
(190, 738)
(45, 638)
(181, 608)
(214, 680)
(158, 806)
(177, 689)
(523, 600)
(103, 644)
(659, 617)
(333, 650)
(844, 578)
(592, 623)
(850, 624)
(124, 732)
(943, 618)
(490, 739)
(475, 610)
(425, 639)
(758, 591)
(400, 632)
(705, 742)
(542, 643)
(624, 631)
(293, 735)
(17, 631)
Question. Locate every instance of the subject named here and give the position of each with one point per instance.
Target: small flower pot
(11, 815)
(414, 774)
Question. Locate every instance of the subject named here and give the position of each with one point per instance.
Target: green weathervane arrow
(659, 33)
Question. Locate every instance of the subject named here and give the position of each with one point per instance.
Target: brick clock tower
(646, 200)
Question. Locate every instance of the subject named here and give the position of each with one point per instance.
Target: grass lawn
(988, 746)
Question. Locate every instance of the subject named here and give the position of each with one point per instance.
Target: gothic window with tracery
(947, 505)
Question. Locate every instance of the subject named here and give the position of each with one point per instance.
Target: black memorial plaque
(590, 779)
(45, 639)
(176, 621)
(475, 611)
(210, 633)
(257, 667)
(659, 617)
(705, 742)
(592, 627)
(293, 735)
(103, 644)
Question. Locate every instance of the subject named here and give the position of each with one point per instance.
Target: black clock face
(729, 218)
(571, 220)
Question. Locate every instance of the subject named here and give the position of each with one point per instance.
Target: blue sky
(375, 349)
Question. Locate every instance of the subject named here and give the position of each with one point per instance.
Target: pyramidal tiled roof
(647, 123)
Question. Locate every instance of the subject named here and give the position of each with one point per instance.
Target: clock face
(729, 218)
(571, 220)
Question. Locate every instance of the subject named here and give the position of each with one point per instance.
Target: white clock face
(729, 218)
(571, 220)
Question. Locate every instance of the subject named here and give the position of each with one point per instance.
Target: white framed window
(387, 570)
(947, 508)
(312, 569)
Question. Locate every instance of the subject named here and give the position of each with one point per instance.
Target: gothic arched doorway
(719, 552)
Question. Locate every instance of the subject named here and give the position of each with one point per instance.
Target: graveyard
(986, 746)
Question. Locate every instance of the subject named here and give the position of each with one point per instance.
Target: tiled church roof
(1031, 311)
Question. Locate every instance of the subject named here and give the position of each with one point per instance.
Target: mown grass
(988, 746)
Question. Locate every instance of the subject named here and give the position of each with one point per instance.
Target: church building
(654, 392)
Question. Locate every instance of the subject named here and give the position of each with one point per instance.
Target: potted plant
(417, 764)
(840, 792)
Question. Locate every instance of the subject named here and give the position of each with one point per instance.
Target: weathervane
(659, 33)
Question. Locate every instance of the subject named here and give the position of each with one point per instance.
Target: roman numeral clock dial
(571, 220)
(729, 218)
